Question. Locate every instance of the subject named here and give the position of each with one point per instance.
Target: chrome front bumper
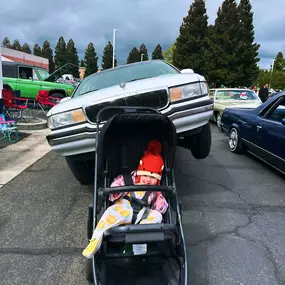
(81, 138)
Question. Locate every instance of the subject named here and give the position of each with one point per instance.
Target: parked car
(260, 131)
(232, 98)
(30, 79)
(181, 95)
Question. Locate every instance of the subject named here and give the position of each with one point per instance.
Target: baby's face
(148, 180)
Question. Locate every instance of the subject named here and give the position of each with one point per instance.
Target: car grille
(155, 99)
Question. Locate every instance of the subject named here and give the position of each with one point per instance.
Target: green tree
(168, 53)
(37, 50)
(82, 64)
(134, 56)
(190, 43)
(26, 48)
(143, 52)
(263, 77)
(60, 57)
(247, 49)
(72, 57)
(48, 53)
(16, 45)
(107, 59)
(90, 60)
(278, 80)
(226, 42)
(157, 53)
(6, 43)
(279, 62)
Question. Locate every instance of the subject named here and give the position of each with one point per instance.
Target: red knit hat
(151, 163)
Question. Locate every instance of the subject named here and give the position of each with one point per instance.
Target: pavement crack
(233, 232)
(41, 251)
(213, 183)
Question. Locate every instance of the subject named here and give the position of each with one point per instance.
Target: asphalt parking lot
(234, 221)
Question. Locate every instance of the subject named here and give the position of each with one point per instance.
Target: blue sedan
(260, 131)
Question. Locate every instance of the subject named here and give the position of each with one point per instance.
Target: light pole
(142, 56)
(271, 72)
(114, 45)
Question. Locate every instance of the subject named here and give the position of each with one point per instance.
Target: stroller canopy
(125, 136)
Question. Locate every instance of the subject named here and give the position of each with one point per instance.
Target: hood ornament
(123, 85)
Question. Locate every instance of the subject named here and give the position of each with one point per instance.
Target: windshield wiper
(89, 91)
(137, 79)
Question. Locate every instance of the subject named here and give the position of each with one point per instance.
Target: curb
(41, 124)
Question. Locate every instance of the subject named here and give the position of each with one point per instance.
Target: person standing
(263, 93)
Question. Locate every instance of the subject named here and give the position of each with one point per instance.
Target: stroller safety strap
(138, 204)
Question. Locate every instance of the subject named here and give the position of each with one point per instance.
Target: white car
(181, 95)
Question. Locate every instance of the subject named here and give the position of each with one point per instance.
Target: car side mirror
(187, 70)
(64, 99)
(283, 121)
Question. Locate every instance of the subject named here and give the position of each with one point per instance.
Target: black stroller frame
(170, 260)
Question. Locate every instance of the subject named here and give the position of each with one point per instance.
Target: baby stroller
(119, 147)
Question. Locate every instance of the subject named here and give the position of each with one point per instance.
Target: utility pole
(114, 45)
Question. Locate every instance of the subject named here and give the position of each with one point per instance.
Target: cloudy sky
(139, 21)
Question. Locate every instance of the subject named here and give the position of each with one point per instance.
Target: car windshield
(43, 74)
(241, 95)
(127, 73)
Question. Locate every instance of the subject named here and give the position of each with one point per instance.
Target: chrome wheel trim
(233, 139)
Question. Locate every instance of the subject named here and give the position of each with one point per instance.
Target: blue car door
(271, 134)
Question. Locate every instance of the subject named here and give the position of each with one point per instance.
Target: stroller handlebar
(152, 188)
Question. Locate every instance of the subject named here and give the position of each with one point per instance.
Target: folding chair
(11, 108)
(46, 102)
(8, 129)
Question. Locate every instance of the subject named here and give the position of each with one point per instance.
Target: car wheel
(201, 143)
(235, 142)
(82, 171)
(219, 120)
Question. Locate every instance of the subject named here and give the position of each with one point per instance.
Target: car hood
(241, 104)
(131, 88)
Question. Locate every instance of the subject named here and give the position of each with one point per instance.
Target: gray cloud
(139, 21)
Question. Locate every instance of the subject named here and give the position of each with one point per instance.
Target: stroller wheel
(89, 272)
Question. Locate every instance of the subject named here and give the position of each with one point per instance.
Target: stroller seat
(141, 233)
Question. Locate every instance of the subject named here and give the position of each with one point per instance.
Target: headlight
(188, 91)
(67, 118)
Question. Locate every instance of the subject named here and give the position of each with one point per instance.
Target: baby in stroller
(126, 207)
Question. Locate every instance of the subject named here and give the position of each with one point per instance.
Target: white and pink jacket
(160, 204)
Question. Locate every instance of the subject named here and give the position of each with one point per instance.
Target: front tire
(201, 143)
(219, 120)
(82, 171)
(235, 143)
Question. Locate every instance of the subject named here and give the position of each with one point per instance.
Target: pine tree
(227, 42)
(90, 60)
(143, 52)
(6, 43)
(247, 49)
(73, 58)
(190, 44)
(16, 45)
(60, 57)
(279, 63)
(82, 64)
(37, 50)
(48, 53)
(157, 53)
(134, 56)
(26, 48)
(107, 59)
